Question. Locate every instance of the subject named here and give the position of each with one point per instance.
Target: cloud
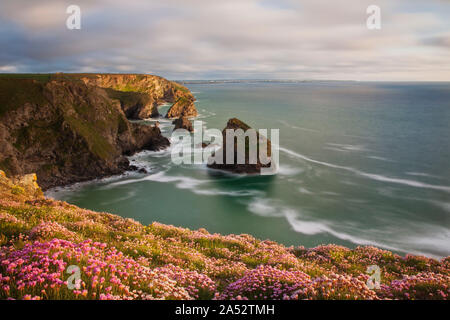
(438, 41)
(193, 39)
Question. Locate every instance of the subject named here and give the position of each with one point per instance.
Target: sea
(360, 164)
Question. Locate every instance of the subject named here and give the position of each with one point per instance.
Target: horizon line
(225, 79)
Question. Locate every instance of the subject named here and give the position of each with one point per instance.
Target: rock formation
(68, 130)
(183, 123)
(26, 184)
(183, 107)
(235, 167)
(135, 105)
(140, 95)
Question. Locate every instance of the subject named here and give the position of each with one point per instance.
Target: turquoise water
(360, 164)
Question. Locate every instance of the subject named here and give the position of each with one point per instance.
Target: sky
(230, 39)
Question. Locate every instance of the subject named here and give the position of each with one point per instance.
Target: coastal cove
(354, 168)
(221, 159)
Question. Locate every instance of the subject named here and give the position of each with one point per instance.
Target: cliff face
(140, 95)
(66, 129)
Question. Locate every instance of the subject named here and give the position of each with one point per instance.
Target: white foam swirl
(411, 183)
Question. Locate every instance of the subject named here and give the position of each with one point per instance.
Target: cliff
(140, 95)
(66, 128)
(122, 259)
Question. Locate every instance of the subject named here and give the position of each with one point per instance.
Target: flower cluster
(418, 287)
(122, 259)
(265, 282)
(48, 230)
(198, 286)
(39, 269)
(336, 287)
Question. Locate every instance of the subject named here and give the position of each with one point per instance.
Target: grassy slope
(21, 89)
(121, 258)
(13, 96)
(131, 86)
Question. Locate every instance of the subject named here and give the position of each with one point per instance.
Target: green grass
(180, 87)
(96, 142)
(43, 77)
(14, 94)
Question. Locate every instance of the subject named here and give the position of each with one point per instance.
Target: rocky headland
(68, 128)
(140, 95)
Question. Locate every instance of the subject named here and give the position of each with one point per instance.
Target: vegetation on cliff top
(150, 89)
(14, 94)
(123, 259)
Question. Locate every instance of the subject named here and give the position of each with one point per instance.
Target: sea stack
(249, 167)
(183, 123)
(183, 107)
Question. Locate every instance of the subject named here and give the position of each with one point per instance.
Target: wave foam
(377, 177)
(346, 147)
(304, 191)
(264, 208)
(315, 227)
(181, 181)
(289, 171)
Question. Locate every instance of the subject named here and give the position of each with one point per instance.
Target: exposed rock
(135, 168)
(29, 183)
(235, 167)
(148, 138)
(183, 107)
(135, 105)
(23, 185)
(183, 123)
(67, 130)
(139, 94)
